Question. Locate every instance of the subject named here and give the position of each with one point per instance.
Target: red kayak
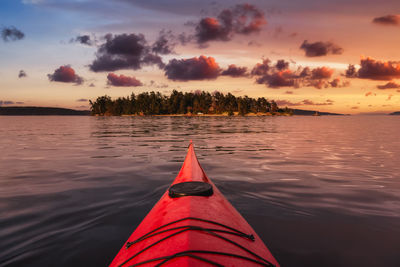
(194, 225)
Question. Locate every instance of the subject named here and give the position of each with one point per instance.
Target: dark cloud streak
(391, 20)
(305, 102)
(83, 39)
(11, 34)
(235, 71)
(6, 102)
(318, 49)
(389, 85)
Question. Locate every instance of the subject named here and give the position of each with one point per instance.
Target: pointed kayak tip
(191, 149)
(191, 169)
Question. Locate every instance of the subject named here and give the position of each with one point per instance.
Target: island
(395, 113)
(199, 103)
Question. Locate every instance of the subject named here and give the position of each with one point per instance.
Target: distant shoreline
(54, 111)
(41, 111)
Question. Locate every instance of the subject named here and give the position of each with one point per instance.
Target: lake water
(319, 191)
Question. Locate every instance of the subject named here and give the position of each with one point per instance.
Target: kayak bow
(194, 225)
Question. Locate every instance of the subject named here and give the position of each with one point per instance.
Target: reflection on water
(320, 191)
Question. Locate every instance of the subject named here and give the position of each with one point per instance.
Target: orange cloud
(279, 75)
(370, 94)
(65, 74)
(321, 73)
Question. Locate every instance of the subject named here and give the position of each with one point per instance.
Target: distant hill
(378, 113)
(312, 112)
(395, 113)
(23, 111)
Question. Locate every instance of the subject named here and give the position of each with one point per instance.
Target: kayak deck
(194, 230)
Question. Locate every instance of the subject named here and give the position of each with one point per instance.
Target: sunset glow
(336, 57)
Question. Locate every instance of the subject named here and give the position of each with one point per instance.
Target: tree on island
(199, 102)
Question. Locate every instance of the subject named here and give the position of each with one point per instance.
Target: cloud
(33, 2)
(389, 85)
(156, 85)
(82, 100)
(166, 43)
(11, 34)
(279, 75)
(375, 70)
(22, 74)
(351, 71)
(210, 29)
(389, 97)
(335, 83)
(289, 92)
(321, 73)
(305, 102)
(283, 78)
(235, 71)
(196, 68)
(122, 80)
(318, 49)
(240, 19)
(327, 102)
(355, 107)
(370, 94)
(283, 103)
(254, 43)
(83, 39)
(387, 20)
(65, 74)
(318, 77)
(92, 85)
(282, 64)
(124, 51)
(6, 102)
(261, 68)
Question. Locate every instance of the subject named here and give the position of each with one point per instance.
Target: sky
(335, 56)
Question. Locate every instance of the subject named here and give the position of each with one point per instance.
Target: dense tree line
(200, 102)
